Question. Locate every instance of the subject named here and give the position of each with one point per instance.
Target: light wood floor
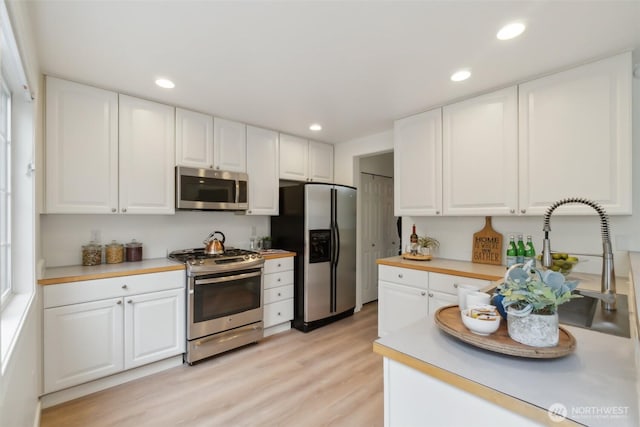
(327, 377)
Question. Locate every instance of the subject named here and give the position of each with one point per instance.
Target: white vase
(536, 330)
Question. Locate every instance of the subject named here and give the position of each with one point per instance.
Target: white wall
(62, 236)
(379, 164)
(345, 153)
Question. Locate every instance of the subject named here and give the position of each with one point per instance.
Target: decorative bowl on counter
(562, 262)
(481, 320)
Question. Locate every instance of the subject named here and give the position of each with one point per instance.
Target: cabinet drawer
(278, 279)
(449, 284)
(404, 276)
(113, 287)
(278, 265)
(278, 312)
(278, 294)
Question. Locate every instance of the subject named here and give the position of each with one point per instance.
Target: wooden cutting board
(487, 245)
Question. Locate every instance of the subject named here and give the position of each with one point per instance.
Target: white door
(320, 162)
(147, 157)
(194, 139)
(399, 306)
(229, 145)
(82, 342)
(81, 133)
(294, 158)
(378, 229)
(154, 327)
(417, 157)
(263, 162)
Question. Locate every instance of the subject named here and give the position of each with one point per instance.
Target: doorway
(378, 226)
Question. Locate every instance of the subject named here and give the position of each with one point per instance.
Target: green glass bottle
(520, 250)
(530, 252)
(512, 252)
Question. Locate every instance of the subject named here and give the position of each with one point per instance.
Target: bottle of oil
(413, 239)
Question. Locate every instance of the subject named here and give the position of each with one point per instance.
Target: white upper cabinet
(294, 152)
(194, 139)
(575, 138)
(146, 156)
(417, 143)
(304, 160)
(263, 165)
(81, 146)
(229, 145)
(480, 155)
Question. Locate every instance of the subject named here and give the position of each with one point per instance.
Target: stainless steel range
(224, 300)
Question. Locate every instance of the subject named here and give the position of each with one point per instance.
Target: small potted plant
(266, 242)
(427, 245)
(531, 298)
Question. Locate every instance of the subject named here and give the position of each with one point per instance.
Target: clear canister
(92, 254)
(114, 252)
(133, 251)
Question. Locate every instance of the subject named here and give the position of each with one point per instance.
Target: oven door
(223, 301)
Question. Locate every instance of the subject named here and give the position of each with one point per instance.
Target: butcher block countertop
(449, 266)
(78, 273)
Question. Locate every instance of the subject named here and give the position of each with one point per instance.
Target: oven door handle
(227, 278)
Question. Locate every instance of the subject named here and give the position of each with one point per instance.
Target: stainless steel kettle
(213, 246)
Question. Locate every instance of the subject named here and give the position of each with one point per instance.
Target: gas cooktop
(197, 260)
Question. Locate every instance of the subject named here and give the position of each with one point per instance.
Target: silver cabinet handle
(124, 286)
(113, 209)
(278, 313)
(430, 295)
(437, 212)
(129, 302)
(279, 265)
(423, 293)
(279, 294)
(119, 302)
(512, 211)
(400, 276)
(523, 211)
(279, 279)
(124, 210)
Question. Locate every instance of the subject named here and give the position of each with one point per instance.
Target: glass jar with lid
(92, 254)
(114, 252)
(133, 251)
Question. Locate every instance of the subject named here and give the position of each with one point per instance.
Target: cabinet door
(147, 157)
(575, 138)
(320, 162)
(194, 139)
(399, 306)
(82, 342)
(81, 148)
(440, 299)
(294, 158)
(480, 155)
(417, 142)
(154, 327)
(229, 145)
(263, 163)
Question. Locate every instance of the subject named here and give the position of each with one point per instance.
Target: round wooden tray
(417, 257)
(448, 319)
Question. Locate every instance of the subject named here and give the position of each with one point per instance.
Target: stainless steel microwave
(210, 190)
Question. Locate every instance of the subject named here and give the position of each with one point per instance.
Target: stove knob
(245, 256)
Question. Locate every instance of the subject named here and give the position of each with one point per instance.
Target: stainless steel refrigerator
(318, 222)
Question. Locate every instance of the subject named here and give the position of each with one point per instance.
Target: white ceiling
(353, 66)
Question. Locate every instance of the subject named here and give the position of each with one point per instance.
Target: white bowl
(485, 324)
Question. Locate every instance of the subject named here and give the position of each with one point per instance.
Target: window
(5, 193)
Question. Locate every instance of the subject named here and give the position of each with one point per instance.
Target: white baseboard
(80, 390)
(277, 329)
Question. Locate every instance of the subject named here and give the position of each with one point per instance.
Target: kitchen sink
(587, 312)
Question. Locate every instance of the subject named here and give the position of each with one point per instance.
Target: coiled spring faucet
(608, 281)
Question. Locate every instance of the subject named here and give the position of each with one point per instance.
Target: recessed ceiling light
(315, 127)
(461, 75)
(165, 83)
(510, 31)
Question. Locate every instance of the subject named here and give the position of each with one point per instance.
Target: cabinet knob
(423, 293)
(119, 302)
(124, 286)
(512, 211)
(249, 211)
(373, 245)
(437, 212)
(523, 211)
(279, 294)
(399, 276)
(455, 285)
(114, 210)
(278, 313)
(279, 279)
(430, 294)
(129, 302)
(124, 210)
(279, 265)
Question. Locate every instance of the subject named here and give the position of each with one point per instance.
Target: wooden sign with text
(487, 245)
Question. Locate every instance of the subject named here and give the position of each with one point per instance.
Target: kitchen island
(433, 377)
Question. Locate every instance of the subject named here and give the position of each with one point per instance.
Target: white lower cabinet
(278, 295)
(133, 321)
(406, 295)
